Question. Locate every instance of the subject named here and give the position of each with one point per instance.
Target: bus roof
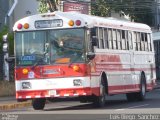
(59, 20)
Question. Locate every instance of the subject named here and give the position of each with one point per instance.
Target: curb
(15, 105)
(158, 87)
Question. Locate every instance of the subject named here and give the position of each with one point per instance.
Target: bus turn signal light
(26, 26)
(76, 68)
(19, 26)
(25, 71)
(78, 22)
(71, 23)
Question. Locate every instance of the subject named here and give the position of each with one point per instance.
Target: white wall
(156, 35)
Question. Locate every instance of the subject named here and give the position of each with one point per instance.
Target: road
(115, 106)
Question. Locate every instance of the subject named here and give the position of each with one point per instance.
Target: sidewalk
(8, 103)
(157, 84)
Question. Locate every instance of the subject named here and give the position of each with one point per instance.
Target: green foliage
(100, 8)
(139, 10)
(4, 31)
(48, 5)
(43, 8)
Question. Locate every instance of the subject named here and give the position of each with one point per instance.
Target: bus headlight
(77, 82)
(26, 85)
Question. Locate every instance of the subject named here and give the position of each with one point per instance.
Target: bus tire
(138, 96)
(39, 103)
(142, 93)
(99, 101)
(131, 97)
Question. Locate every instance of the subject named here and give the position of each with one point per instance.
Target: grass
(7, 88)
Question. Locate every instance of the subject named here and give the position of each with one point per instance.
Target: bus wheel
(39, 103)
(141, 95)
(99, 101)
(138, 96)
(131, 97)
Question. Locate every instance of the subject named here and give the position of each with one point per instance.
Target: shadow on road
(113, 103)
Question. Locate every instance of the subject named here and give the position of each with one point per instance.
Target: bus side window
(106, 45)
(100, 36)
(123, 35)
(135, 40)
(130, 40)
(127, 40)
(149, 42)
(143, 41)
(114, 36)
(119, 43)
(94, 32)
(138, 41)
(146, 42)
(110, 38)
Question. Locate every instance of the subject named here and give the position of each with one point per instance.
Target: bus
(73, 55)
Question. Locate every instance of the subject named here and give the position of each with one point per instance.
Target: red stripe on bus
(121, 89)
(59, 92)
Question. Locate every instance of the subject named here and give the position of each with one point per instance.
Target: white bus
(68, 54)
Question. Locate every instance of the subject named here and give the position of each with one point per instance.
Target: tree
(100, 8)
(138, 10)
(48, 5)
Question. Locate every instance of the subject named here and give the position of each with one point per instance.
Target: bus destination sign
(48, 23)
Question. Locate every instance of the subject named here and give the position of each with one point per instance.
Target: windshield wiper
(41, 60)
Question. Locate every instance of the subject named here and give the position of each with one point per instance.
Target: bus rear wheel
(38, 103)
(138, 96)
(141, 95)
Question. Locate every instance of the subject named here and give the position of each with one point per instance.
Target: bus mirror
(94, 40)
(90, 55)
(10, 59)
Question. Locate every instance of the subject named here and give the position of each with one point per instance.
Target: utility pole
(11, 11)
(6, 45)
(6, 55)
(157, 13)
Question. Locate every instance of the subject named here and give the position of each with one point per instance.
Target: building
(4, 6)
(26, 8)
(156, 41)
(22, 9)
(82, 6)
(156, 9)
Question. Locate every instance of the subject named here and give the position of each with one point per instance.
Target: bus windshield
(50, 47)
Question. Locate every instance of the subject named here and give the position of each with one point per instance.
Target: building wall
(156, 41)
(4, 6)
(24, 8)
(156, 9)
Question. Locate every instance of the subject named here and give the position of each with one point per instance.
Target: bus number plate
(52, 92)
